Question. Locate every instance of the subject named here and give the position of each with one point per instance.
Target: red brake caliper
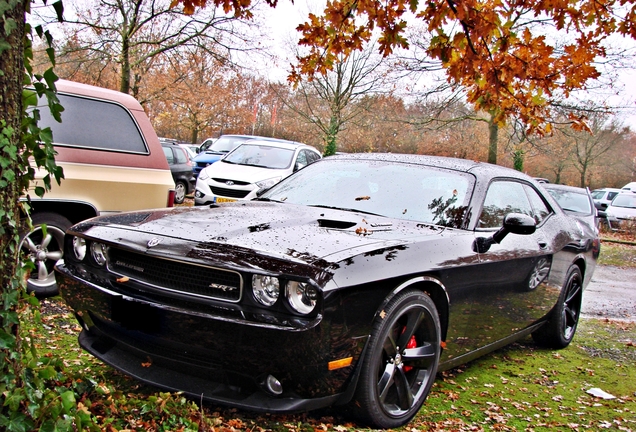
(411, 344)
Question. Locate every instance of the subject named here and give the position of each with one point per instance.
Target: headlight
(79, 248)
(268, 183)
(266, 289)
(301, 296)
(203, 175)
(98, 252)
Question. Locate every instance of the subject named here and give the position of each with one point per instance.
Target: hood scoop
(335, 224)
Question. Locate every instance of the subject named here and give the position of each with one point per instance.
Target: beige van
(112, 161)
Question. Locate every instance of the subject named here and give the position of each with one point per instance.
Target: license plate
(222, 200)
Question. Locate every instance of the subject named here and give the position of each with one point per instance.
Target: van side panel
(111, 188)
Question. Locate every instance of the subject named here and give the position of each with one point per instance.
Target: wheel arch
(434, 289)
(74, 211)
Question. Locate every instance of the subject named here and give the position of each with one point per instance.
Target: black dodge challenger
(351, 282)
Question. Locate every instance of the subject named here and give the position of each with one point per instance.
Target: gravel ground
(611, 294)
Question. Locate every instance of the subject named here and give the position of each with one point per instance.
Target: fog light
(272, 385)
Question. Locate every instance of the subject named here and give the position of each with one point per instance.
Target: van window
(94, 124)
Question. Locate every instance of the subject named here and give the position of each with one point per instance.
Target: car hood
(287, 231)
(246, 173)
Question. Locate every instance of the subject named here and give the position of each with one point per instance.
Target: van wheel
(180, 190)
(44, 250)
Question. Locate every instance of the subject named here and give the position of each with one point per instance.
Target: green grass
(521, 387)
(617, 254)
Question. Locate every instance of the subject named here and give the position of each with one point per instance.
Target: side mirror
(513, 223)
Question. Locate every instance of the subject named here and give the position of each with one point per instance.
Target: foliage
(520, 387)
(30, 397)
(499, 51)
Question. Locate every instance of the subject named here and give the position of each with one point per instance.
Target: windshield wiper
(267, 200)
(346, 209)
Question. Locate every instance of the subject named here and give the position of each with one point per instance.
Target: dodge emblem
(154, 242)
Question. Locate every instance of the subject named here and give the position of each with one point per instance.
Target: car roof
(273, 142)
(607, 189)
(482, 169)
(86, 90)
(566, 188)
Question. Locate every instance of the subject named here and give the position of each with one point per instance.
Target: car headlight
(301, 296)
(264, 184)
(266, 289)
(203, 175)
(98, 252)
(79, 248)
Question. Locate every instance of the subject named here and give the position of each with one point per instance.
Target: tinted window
(397, 190)
(94, 124)
(180, 155)
(503, 197)
(539, 207)
(611, 195)
(169, 156)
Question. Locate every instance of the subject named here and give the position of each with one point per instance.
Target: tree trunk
(12, 20)
(11, 79)
(124, 84)
(493, 136)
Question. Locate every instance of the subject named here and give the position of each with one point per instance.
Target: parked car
(350, 282)
(603, 197)
(112, 162)
(181, 169)
(250, 168)
(191, 149)
(211, 151)
(629, 187)
(578, 202)
(622, 211)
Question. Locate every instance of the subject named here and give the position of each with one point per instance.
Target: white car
(251, 167)
(621, 210)
(629, 187)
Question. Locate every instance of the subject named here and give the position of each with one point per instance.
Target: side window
(611, 195)
(301, 161)
(312, 157)
(169, 156)
(503, 197)
(94, 124)
(180, 156)
(540, 210)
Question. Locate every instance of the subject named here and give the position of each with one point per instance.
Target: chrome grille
(176, 276)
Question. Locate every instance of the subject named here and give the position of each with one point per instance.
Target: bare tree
(132, 33)
(332, 100)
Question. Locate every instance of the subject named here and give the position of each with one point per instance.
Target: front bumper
(210, 353)
(210, 191)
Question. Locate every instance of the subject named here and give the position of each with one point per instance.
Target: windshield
(572, 201)
(263, 156)
(625, 200)
(226, 144)
(598, 194)
(396, 190)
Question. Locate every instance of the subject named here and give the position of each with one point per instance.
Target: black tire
(44, 251)
(400, 362)
(559, 330)
(180, 191)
